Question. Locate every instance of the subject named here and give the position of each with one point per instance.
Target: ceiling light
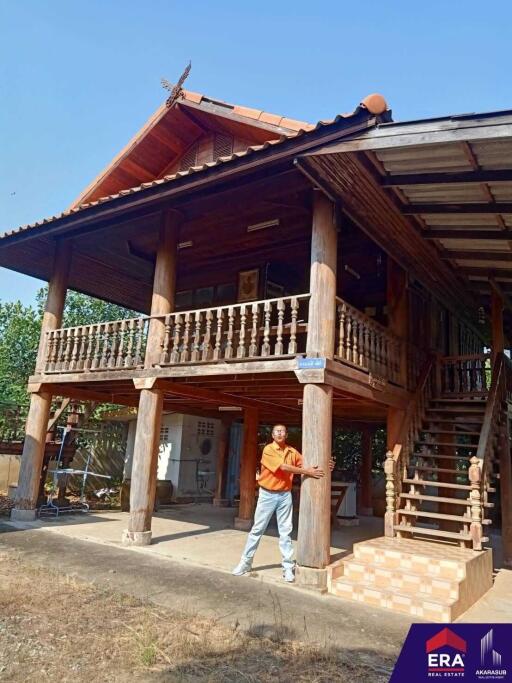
(228, 408)
(261, 226)
(185, 245)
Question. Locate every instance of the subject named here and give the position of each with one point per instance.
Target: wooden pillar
(394, 422)
(497, 334)
(222, 461)
(366, 501)
(248, 465)
(314, 533)
(397, 302)
(506, 494)
(149, 416)
(40, 402)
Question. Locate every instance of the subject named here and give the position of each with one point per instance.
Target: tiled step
(440, 499)
(437, 484)
(420, 606)
(436, 533)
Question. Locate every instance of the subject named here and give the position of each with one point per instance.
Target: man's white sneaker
(243, 567)
(288, 575)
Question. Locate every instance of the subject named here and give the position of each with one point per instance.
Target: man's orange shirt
(272, 476)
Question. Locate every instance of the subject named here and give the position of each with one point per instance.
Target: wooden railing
(397, 458)
(273, 327)
(469, 374)
(481, 471)
(105, 346)
(365, 344)
(260, 329)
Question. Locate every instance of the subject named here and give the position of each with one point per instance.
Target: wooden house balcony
(244, 339)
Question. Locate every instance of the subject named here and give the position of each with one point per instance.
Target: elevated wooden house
(353, 271)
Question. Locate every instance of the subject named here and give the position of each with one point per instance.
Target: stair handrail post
(475, 479)
(390, 470)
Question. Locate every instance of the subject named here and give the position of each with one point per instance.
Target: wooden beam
(501, 176)
(496, 288)
(248, 465)
(485, 271)
(477, 233)
(474, 255)
(490, 207)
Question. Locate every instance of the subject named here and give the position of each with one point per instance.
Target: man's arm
(315, 472)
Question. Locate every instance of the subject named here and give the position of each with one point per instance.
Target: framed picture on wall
(248, 283)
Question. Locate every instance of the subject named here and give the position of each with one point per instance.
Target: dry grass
(53, 627)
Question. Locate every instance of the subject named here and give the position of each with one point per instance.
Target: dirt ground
(55, 627)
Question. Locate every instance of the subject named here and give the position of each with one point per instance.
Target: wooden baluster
(73, 358)
(384, 355)
(366, 347)
(120, 346)
(378, 356)
(67, 350)
(97, 348)
(196, 349)
(51, 337)
(166, 344)
(372, 364)
(128, 359)
(184, 355)
(82, 348)
(175, 355)
(341, 328)
(292, 344)
(207, 346)
(242, 351)
(105, 339)
(348, 345)
(278, 348)
(114, 342)
(355, 339)
(89, 348)
(456, 377)
(475, 478)
(138, 358)
(228, 353)
(219, 333)
(360, 344)
(390, 470)
(265, 349)
(255, 314)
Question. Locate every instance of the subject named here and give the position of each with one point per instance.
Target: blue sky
(77, 79)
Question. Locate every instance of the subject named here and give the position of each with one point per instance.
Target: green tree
(20, 328)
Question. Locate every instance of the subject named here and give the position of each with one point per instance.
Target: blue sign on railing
(311, 363)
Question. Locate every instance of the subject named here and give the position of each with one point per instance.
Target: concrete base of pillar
(136, 538)
(242, 524)
(23, 515)
(308, 577)
(221, 502)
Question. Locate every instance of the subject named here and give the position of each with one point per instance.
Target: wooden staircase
(435, 499)
(438, 479)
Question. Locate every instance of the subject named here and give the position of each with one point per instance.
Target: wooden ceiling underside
(277, 396)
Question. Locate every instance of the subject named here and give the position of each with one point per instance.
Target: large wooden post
(40, 402)
(366, 501)
(149, 416)
(248, 465)
(314, 534)
(222, 460)
(397, 303)
(497, 334)
(506, 493)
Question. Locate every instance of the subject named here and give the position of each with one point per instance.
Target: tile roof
(168, 178)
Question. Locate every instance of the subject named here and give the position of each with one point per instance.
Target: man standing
(279, 463)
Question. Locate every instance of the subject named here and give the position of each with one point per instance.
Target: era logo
(453, 660)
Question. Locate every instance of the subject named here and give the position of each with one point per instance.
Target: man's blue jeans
(269, 502)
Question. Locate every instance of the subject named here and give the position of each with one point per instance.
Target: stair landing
(432, 581)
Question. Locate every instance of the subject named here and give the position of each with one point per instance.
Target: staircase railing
(481, 470)
(397, 458)
(469, 374)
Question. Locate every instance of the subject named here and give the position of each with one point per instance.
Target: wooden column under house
(352, 273)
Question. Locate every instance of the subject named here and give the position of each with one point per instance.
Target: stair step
(438, 533)
(460, 400)
(441, 499)
(441, 456)
(422, 606)
(447, 443)
(435, 515)
(464, 421)
(450, 431)
(456, 409)
(426, 468)
(437, 484)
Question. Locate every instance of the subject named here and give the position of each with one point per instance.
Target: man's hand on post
(332, 464)
(315, 472)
